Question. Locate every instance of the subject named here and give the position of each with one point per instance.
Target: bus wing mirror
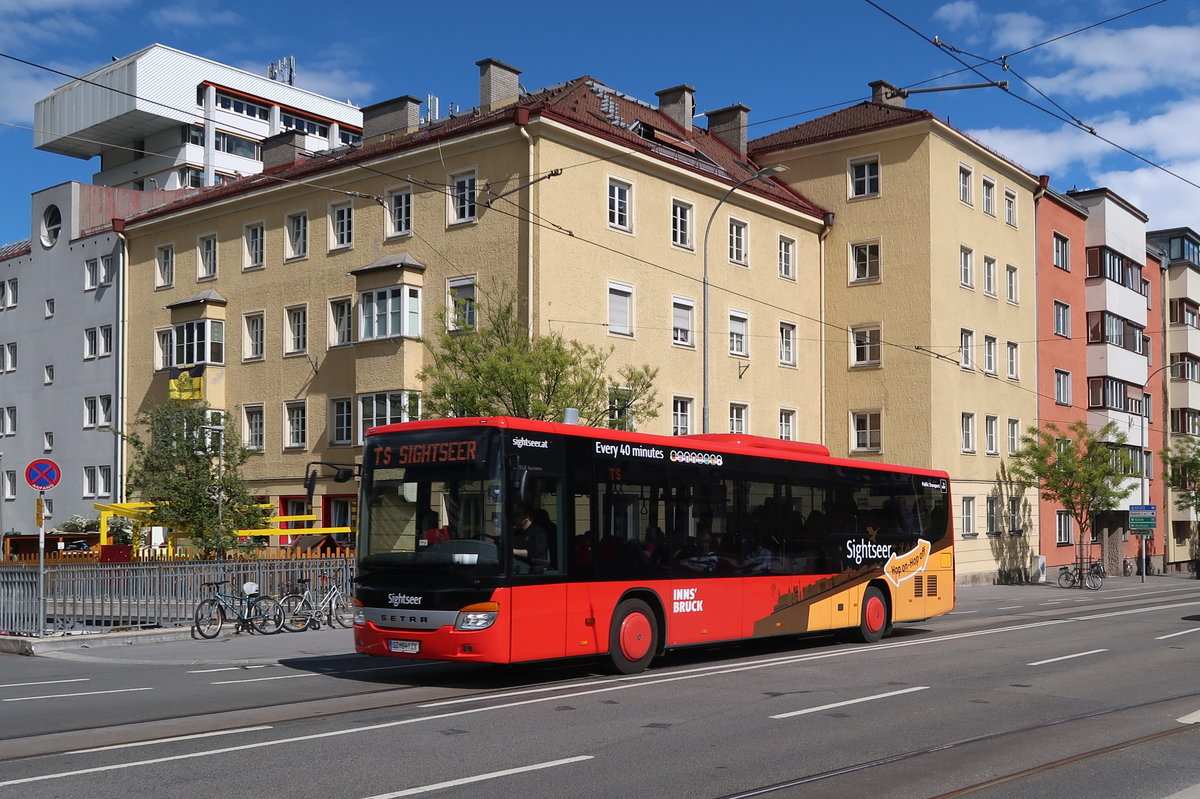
(310, 485)
(342, 475)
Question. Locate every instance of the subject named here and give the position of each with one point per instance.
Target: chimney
(678, 103)
(887, 94)
(498, 84)
(729, 125)
(282, 149)
(399, 115)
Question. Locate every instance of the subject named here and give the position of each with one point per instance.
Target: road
(1021, 692)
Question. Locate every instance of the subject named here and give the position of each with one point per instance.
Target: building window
(47, 441)
(864, 260)
(966, 349)
(967, 522)
(1063, 528)
(737, 417)
(1014, 515)
(739, 334)
(89, 481)
(968, 432)
(1014, 435)
(91, 342)
(104, 476)
(1010, 282)
(966, 267)
(388, 407)
(620, 408)
(107, 270)
(341, 220)
(8, 420)
(991, 435)
(388, 313)
(681, 416)
(866, 431)
(297, 325)
(1062, 387)
(989, 197)
(1062, 319)
(252, 428)
(164, 274)
(296, 422)
(400, 212)
(201, 341)
(864, 178)
(91, 411)
(964, 185)
(10, 485)
(989, 276)
(10, 296)
(49, 308)
(1010, 208)
(681, 321)
(297, 236)
(47, 372)
(341, 412)
(787, 258)
(1062, 252)
(993, 515)
(91, 274)
(208, 257)
(1013, 361)
(620, 309)
(462, 197)
(620, 195)
(341, 322)
(252, 345)
(254, 237)
(866, 347)
(462, 303)
(681, 224)
(787, 344)
(787, 424)
(989, 355)
(738, 253)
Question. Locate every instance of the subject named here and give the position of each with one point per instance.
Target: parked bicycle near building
(1092, 577)
(252, 611)
(328, 605)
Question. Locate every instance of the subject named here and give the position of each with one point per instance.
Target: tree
(486, 364)
(1081, 470)
(190, 473)
(1182, 464)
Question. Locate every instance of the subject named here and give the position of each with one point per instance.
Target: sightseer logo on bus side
(899, 567)
(398, 600)
(521, 442)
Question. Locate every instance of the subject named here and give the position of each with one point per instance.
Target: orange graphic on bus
(901, 567)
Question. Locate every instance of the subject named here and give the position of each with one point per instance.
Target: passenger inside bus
(529, 541)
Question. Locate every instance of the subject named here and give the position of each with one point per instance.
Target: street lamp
(220, 431)
(762, 173)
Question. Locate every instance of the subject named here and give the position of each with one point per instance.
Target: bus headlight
(477, 617)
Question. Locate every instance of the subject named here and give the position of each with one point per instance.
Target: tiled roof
(14, 249)
(581, 103)
(850, 121)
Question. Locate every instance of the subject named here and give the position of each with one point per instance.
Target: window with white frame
(341, 225)
(787, 258)
(989, 355)
(48, 441)
(207, 258)
(295, 416)
(8, 420)
(866, 431)
(620, 309)
(681, 224)
(297, 327)
(164, 267)
(47, 372)
(387, 407)
(399, 205)
(91, 274)
(787, 343)
(864, 262)
(967, 521)
(252, 427)
(989, 276)
(682, 311)
(1014, 435)
(341, 321)
(1014, 515)
(681, 416)
(738, 242)
(91, 342)
(104, 481)
(255, 239)
(1062, 252)
(1064, 530)
(10, 484)
(10, 358)
(253, 326)
(49, 306)
(620, 408)
(968, 432)
(389, 313)
(1010, 207)
(787, 424)
(991, 435)
(739, 334)
(341, 415)
(1062, 319)
(737, 417)
(10, 295)
(89, 481)
(164, 348)
(966, 267)
(462, 197)
(864, 177)
(462, 301)
(107, 270)
(620, 198)
(866, 348)
(1014, 362)
(993, 515)
(91, 411)
(989, 197)
(964, 184)
(1062, 387)
(1010, 282)
(201, 341)
(966, 349)
(296, 239)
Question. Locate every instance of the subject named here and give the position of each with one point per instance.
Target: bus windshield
(432, 502)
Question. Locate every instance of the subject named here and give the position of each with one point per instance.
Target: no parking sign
(42, 474)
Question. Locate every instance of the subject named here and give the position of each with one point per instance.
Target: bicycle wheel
(297, 613)
(207, 618)
(1127, 568)
(1093, 581)
(266, 615)
(342, 610)
(1066, 577)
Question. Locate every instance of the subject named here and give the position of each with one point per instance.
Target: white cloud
(23, 87)
(1105, 64)
(1167, 200)
(335, 83)
(1016, 31)
(188, 16)
(959, 14)
(1044, 152)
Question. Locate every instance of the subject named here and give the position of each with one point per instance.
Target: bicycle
(253, 612)
(1069, 576)
(304, 611)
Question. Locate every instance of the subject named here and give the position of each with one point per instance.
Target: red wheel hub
(875, 614)
(634, 636)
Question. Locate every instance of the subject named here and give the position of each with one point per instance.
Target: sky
(1100, 94)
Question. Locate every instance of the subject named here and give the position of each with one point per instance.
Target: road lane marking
(230, 668)
(171, 740)
(481, 777)
(1011, 607)
(313, 674)
(1190, 718)
(1066, 657)
(1181, 632)
(81, 693)
(850, 702)
(961, 612)
(43, 682)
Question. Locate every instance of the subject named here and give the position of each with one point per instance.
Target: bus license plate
(405, 647)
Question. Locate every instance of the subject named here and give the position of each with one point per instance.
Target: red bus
(504, 540)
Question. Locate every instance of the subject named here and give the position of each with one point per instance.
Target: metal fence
(98, 597)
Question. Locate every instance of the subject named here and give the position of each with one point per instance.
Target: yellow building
(929, 308)
(299, 298)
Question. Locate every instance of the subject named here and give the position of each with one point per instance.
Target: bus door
(535, 531)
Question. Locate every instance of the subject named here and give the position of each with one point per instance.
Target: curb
(24, 645)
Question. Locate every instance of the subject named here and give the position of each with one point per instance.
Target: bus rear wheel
(633, 637)
(874, 621)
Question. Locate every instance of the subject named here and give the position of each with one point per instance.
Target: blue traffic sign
(42, 474)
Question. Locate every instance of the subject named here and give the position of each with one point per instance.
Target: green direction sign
(1143, 517)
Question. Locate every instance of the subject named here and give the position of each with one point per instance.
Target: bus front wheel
(633, 637)
(874, 621)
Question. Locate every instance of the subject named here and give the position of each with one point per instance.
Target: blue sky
(1135, 80)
